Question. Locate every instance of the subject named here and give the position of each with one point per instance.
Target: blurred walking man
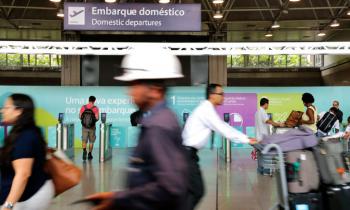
(158, 174)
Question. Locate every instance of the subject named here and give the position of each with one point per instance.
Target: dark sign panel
(132, 17)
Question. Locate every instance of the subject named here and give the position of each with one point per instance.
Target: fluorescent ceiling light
(218, 15)
(275, 25)
(110, 1)
(321, 33)
(164, 1)
(56, 1)
(268, 34)
(218, 1)
(294, 0)
(335, 23)
(60, 13)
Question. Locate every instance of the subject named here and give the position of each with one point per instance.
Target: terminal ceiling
(243, 20)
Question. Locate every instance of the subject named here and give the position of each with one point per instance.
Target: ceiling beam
(26, 7)
(218, 48)
(25, 10)
(3, 13)
(228, 5)
(10, 10)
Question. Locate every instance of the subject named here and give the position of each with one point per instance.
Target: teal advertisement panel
(117, 104)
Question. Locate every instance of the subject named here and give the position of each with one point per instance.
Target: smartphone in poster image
(227, 117)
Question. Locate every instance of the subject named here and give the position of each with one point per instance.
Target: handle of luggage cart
(283, 201)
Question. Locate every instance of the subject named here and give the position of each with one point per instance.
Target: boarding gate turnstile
(105, 145)
(226, 143)
(105, 152)
(65, 137)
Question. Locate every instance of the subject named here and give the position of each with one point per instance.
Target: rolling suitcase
(337, 197)
(292, 201)
(302, 172)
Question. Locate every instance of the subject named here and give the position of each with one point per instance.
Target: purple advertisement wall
(241, 107)
(132, 17)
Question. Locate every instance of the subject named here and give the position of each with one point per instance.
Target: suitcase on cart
(300, 201)
(330, 162)
(302, 172)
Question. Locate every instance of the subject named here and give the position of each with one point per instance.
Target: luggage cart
(281, 179)
(268, 162)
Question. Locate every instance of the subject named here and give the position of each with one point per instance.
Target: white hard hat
(150, 63)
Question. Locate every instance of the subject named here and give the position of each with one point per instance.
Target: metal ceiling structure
(243, 20)
(115, 48)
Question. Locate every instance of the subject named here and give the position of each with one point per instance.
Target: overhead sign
(132, 17)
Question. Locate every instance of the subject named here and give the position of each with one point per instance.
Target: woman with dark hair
(24, 184)
(309, 118)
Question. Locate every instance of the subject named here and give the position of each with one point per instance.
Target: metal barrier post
(105, 152)
(227, 150)
(59, 134)
(226, 143)
(65, 138)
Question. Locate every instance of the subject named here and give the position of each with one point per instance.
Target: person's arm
(97, 113)
(211, 119)
(310, 114)
(23, 170)
(336, 126)
(273, 123)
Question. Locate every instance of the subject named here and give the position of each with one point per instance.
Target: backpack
(88, 118)
(326, 123)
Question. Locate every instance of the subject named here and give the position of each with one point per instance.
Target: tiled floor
(234, 186)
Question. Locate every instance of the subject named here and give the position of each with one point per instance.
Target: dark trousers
(196, 185)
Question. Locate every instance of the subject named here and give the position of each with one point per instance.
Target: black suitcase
(301, 201)
(338, 197)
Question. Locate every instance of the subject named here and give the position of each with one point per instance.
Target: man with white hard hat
(158, 169)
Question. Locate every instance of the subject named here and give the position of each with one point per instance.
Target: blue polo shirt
(27, 145)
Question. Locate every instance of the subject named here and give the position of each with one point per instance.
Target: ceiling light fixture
(218, 15)
(269, 34)
(56, 1)
(218, 1)
(294, 0)
(110, 1)
(348, 12)
(321, 33)
(335, 23)
(164, 1)
(275, 25)
(60, 13)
